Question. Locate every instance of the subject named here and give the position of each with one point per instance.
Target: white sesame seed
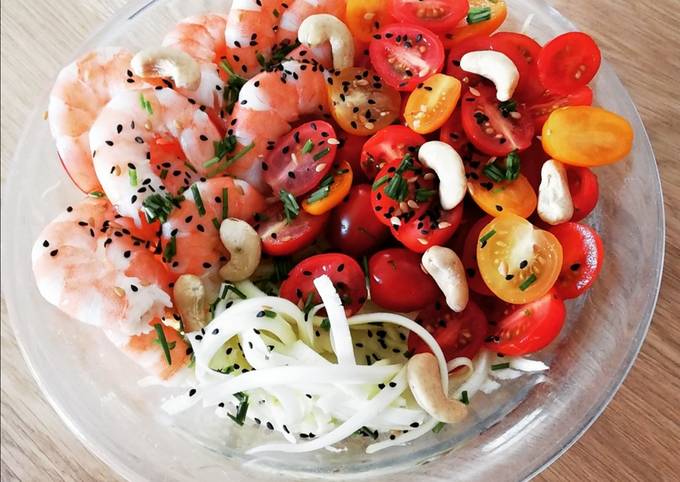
(395, 221)
(403, 206)
(333, 141)
(45, 115)
(444, 225)
(320, 167)
(369, 15)
(120, 292)
(294, 158)
(412, 204)
(515, 115)
(369, 125)
(422, 241)
(475, 92)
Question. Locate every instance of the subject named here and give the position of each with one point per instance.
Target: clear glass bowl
(510, 435)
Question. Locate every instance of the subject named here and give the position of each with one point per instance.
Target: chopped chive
(364, 264)
(423, 194)
(158, 206)
(211, 162)
(464, 397)
(190, 166)
(170, 249)
(163, 342)
(233, 88)
(438, 428)
(486, 237)
(500, 366)
(132, 173)
(270, 314)
(164, 174)
(236, 291)
(381, 181)
(146, 105)
(506, 107)
(309, 304)
(512, 166)
(321, 153)
(290, 206)
(225, 203)
(197, 199)
(319, 194)
(261, 60)
(478, 14)
(494, 173)
(216, 223)
(326, 324)
(528, 282)
(240, 154)
(96, 194)
(307, 148)
(480, 118)
(241, 410)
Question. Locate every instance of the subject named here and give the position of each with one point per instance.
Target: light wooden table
(637, 437)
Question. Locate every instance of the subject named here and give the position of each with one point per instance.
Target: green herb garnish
(163, 342)
(225, 203)
(439, 427)
(493, 172)
(291, 208)
(323, 190)
(96, 194)
(500, 366)
(146, 105)
(464, 397)
(242, 408)
(234, 84)
(170, 249)
(269, 313)
(397, 188)
(321, 153)
(478, 14)
(198, 199)
(307, 148)
(216, 223)
(309, 304)
(423, 194)
(506, 107)
(132, 174)
(528, 282)
(164, 174)
(486, 237)
(512, 165)
(379, 182)
(326, 324)
(236, 291)
(159, 206)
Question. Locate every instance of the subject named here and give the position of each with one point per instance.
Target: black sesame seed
(192, 392)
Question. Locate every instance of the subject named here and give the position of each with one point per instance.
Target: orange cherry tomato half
(330, 191)
(497, 198)
(518, 262)
(361, 103)
(366, 17)
(432, 103)
(587, 136)
(498, 12)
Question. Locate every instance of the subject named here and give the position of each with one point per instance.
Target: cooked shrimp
(268, 104)
(300, 10)
(80, 92)
(98, 272)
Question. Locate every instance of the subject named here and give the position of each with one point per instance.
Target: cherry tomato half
(582, 258)
(492, 129)
(530, 327)
(469, 258)
(497, 12)
(523, 51)
(453, 134)
(584, 190)
(541, 107)
(587, 136)
(498, 198)
(364, 18)
(388, 146)
(352, 229)
(361, 103)
(405, 55)
(518, 262)
(330, 191)
(432, 228)
(472, 44)
(398, 283)
(437, 15)
(568, 61)
(301, 158)
(281, 237)
(458, 334)
(432, 103)
(345, 272)
(349, 150)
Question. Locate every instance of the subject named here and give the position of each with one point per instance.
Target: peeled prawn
(300, 10)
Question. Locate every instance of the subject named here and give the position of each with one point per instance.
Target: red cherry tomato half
(433, 228)
(584, 190)
(458, 334)
(301, 158)
(388, 146)
(352, 229)
(457, 52)
(439, 16)
(345, 272)
(405, 55)
(281, 237)
(350, 149)
(582, 256)
(532, 161)
(568, 62)
(541, 107)
(452, 133)
(469, 259)
(523, 51)
(398, 283)
(530, 327)
(491, 130)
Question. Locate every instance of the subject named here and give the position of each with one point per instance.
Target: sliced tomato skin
(398, 283)
(388, 146)
(541, 106)
(453, 134)
(480, 110)
(568, 62)
(584, 190)
(529, 327)
(583, 255)
(303, 174)
(429, 234)
(469, 258)
(283, 238)
(458, 334)
(524, 52)
(352, 229)
(384, 47)
(345, 272)
(412, 12)
(456, 53)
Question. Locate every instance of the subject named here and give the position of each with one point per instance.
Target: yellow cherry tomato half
(517, 261)
(431, 104)
(331, 190)
(498, 11)
(365, 17)
(361, 103)
(587, 136)
(498, 198)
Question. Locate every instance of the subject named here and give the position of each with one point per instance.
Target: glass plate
(510, 435)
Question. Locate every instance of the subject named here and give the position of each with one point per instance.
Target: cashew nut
(320, 28)
(190, 301)
(244, 246)
(495, 66)
(425, 382)
(167, 62)
(555, 205)
(448, 165)
(448, 272)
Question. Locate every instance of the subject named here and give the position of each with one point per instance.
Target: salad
(332, 220)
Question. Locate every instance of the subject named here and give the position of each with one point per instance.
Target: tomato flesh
(364, 18)
(456, 54)
(529, 327)
(523, 51)
(405, 55)
(432, 103)
(568, 61)
(437, 15)
(301, 158)
(389, 146)
(541, 106)
(345, 272)
(582, 258)
(432, 228)
(584, 190)
(458, 334)
(281, 237)
(398, 283)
